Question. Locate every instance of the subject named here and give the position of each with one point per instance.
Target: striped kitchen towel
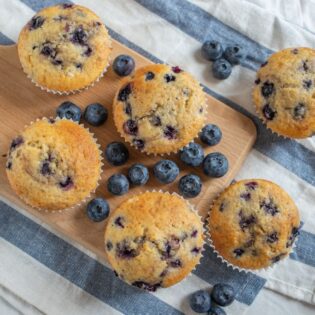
(171, 31)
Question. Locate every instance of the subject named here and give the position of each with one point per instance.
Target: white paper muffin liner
(84, 200)
(172, 151)
(56, 92)
(226, 262)
(203, 234)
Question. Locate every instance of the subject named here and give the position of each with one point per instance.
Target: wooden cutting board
(22, 102)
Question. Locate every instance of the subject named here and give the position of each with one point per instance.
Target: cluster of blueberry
(165, 171)
(95, 114)
(223, 59)
(214, 164)
(222, 295)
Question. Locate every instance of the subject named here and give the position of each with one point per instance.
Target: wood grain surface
(22, 102)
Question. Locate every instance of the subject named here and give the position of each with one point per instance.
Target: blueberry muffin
(284, 92)
(154, 240)
(253, 224)
(54, 164)
(160, 109)
(64, 48)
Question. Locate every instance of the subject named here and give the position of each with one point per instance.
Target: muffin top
(53, 164)
(253, 224)
(160, 109)
(284, 94)
(154, 239)
(64, 47)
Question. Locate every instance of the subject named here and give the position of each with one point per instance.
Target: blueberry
(211, 134)
(109, 245)
(130, 127)
(238, 252)
(269, 207)
(149, 76)
(245, 196)
(67, 183)
(36, 22)
(97, 209)
(216, 310)
(211, 50)
(16, 143)
(88, 51)
(116, 153)
(269, 112)
(47, 51)
(67, 5)
(234, 54)
(305, 65)
(176, 263)
(246, 221)
(196, 250)
(125, 92)
(119, 221)
(267, 89)
(273, 237)
(170, 132)
(307, 84)
(221, 69)
(192, 154)
(79, 36)
(56, 62)
(166, 171)
(251, 185)
(200, 301)
(138, 143)
(128, 109)
(146, 286)
(215, 164)
(176, 69)
(45, 168)
(95, 114)
(123, 65)
(118, 184)
(190, 186)
(138, 174)
(223, 294)
(69, 110)
(123, 250)
(169, 78)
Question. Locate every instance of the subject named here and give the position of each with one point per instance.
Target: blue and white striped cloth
(43, 273)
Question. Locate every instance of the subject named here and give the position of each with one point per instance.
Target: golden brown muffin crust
(253, 224)
(154, 239)
(54, 165)
(160, 109)
(64, 48)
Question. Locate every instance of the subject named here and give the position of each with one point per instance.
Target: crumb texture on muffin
(64, 48)
(154, 240)
(54, 164)
(159, 109)
(253, 224)
(284, 92)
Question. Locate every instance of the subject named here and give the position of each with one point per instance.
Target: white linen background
(295, 19)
